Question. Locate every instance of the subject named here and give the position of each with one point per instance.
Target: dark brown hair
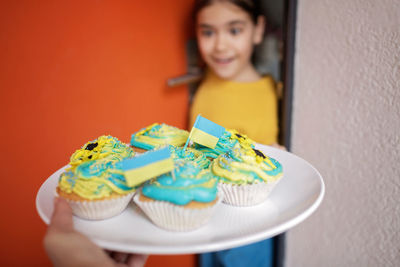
(251, 7)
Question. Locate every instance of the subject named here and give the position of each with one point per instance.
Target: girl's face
(226, 36)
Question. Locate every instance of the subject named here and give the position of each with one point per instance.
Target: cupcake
(246, 176)
(190, 154)
(95, 189)
(157, 135)
(184, 201)
(104, 146)
(226, 142)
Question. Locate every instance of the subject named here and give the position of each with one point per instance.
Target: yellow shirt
(248, 107)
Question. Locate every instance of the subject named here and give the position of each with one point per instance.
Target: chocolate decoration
(238, 135)
(259, 153)
(90, 157)
(91, 146)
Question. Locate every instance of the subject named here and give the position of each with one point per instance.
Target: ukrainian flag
(146, 166)
(206, 132)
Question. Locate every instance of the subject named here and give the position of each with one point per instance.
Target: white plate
(296, 197)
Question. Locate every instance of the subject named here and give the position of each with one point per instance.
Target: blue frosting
(224, 145)
(189, 183)
(157, 135)
(278, 167)
(190, 154)
(226, 142)
(111, 171)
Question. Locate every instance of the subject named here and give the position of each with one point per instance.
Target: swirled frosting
(227, 141)
(246, 166)
(102, 147)
(189, 183)
(95, 179)
(157, 135)
(190, 154)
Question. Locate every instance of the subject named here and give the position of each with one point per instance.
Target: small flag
(206, 132)
(144, 167)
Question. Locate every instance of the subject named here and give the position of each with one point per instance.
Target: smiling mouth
(223, 61)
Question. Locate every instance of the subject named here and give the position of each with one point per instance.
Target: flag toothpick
(146, 166)
(205, 132)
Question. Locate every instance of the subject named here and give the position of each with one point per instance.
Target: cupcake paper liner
(176, 218)
(100, 209)
(246, 195)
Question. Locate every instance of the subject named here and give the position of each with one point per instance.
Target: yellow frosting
(242, 138)
(96, 179)
(157, 135)
(103, 147)
(242, 166)
(96, 171)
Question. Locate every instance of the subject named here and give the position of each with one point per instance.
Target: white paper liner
(176, 218)
(100, 209)
(248, 194)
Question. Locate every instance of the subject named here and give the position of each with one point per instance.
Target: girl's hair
(250, 6)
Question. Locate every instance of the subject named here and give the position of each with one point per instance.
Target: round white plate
(296, 197)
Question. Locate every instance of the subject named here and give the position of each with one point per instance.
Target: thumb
(61, 219)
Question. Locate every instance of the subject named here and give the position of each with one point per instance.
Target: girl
(234, 95)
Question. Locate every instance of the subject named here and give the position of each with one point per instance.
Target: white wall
(346, 122)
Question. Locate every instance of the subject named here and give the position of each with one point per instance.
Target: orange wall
(69, 72)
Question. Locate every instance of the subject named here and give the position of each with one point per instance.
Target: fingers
(62, 216)
(61, 240)
(137, 260)
(119, 257)
(126, 259)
